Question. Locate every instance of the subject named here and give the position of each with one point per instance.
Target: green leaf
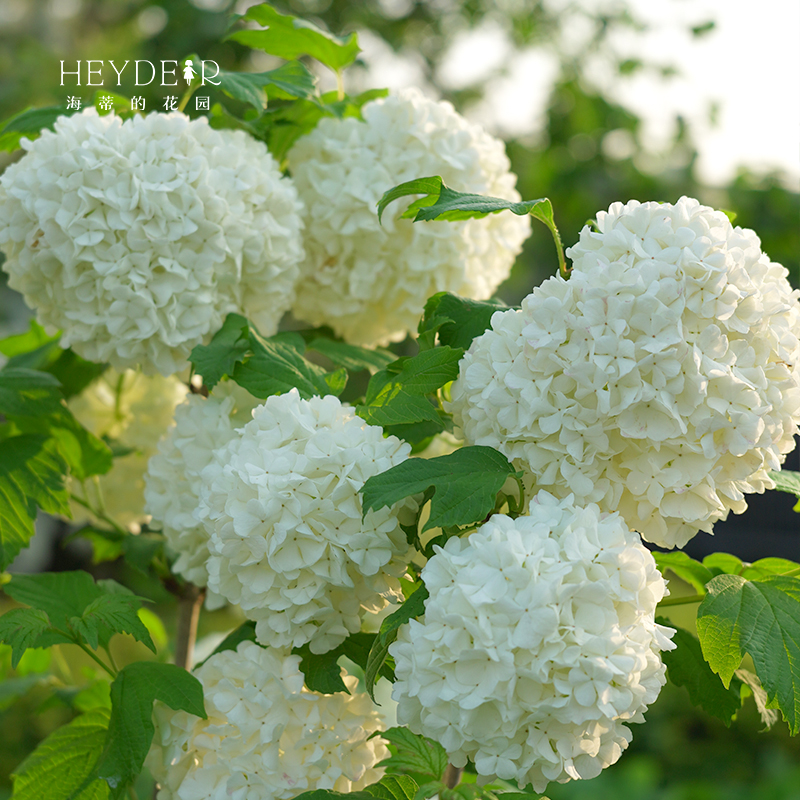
(31, 340)
(351, 356)
(786, 481)
(74, 373)
(110, 614)
(228, 347)
(21, 628)
(74, 603)
(246, 632)
(322, 671)
(761, 618)
(414, 606)
(439, 201)
(723, 564)
(277, 366)
(687, 569)
(28, 393)
(394, 787)
(31, 477)
(287, 81)
(29, 123)
(768, 566)
(289, 37)
(465, 485)
(130, 730)
(330, 794)
(686, 667)
(457, 320)
(63, 766)
(769, 716)
(415, 753)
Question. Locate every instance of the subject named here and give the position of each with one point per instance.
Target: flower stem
(112, 672)
(99, 514)
(452, 775)
(339, 85)
(682, 601)
(190, 602)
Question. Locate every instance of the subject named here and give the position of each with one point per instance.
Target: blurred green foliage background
(680, 754)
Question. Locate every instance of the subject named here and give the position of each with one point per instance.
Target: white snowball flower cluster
(537, 643)
(134, 411)
(136, 238)
(369, 281)
(172, 480)
(266, 737)
(282, 507)
(662, 380)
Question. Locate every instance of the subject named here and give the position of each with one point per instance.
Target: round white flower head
(537, 643)
(134, 411)
(172, 480)
(282, 507)
(369, 281)
(662, 380)
(266, 737)
(136, 238)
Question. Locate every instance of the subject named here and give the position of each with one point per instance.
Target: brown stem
(189, 603)
(452, 775)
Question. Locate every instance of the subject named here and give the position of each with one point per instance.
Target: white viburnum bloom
(136, 238)
(134, 411)
(538, 642)
(662, 380)
(266, 737)
(282, 508)
(369, 281)
(172, 481)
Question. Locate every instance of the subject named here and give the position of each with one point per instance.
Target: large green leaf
(439, 201)
(29, 123)
(464, 483)
(130, 730)
(228, 347)
(687, 569)
(289, 37)
(28, 393)
(63, 766)
(394, 787)
(686, 667)
(351, 356)
(414, 753)
(287, 81)
(21, 628)
(786, 481)
(31, 477)
(456, 320)
(322, 671)
(761, 618)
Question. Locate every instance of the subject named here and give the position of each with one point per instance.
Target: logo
(144, 72)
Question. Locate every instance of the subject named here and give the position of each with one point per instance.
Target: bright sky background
(749, 65)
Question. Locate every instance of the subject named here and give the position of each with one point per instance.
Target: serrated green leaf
(465, 485)
(74, 373)
(415, 753)
(31, 340)
(439, 201)
(396, 406)
(768, 566)
(130, 730)
(723, 564)
(28, 393)
(322, 671)
(761, 618)
(394, 787)
(786, 481)
(31, 477)
(289, 37)
(110, 614)
(21, 628)
(287, 81)
(457, 320)
(229, 346)
(412, 607)
(686, 667)
(351, 356)
(63, 766)
(687, 569)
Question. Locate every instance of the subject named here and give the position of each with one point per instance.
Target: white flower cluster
(266, 737)
(172, 480)
(282, 507)
(136, 238)
(134, 411)
(537, 643)
(369, 281)
(662, 380)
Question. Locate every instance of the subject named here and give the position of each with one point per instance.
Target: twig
(190, 602)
